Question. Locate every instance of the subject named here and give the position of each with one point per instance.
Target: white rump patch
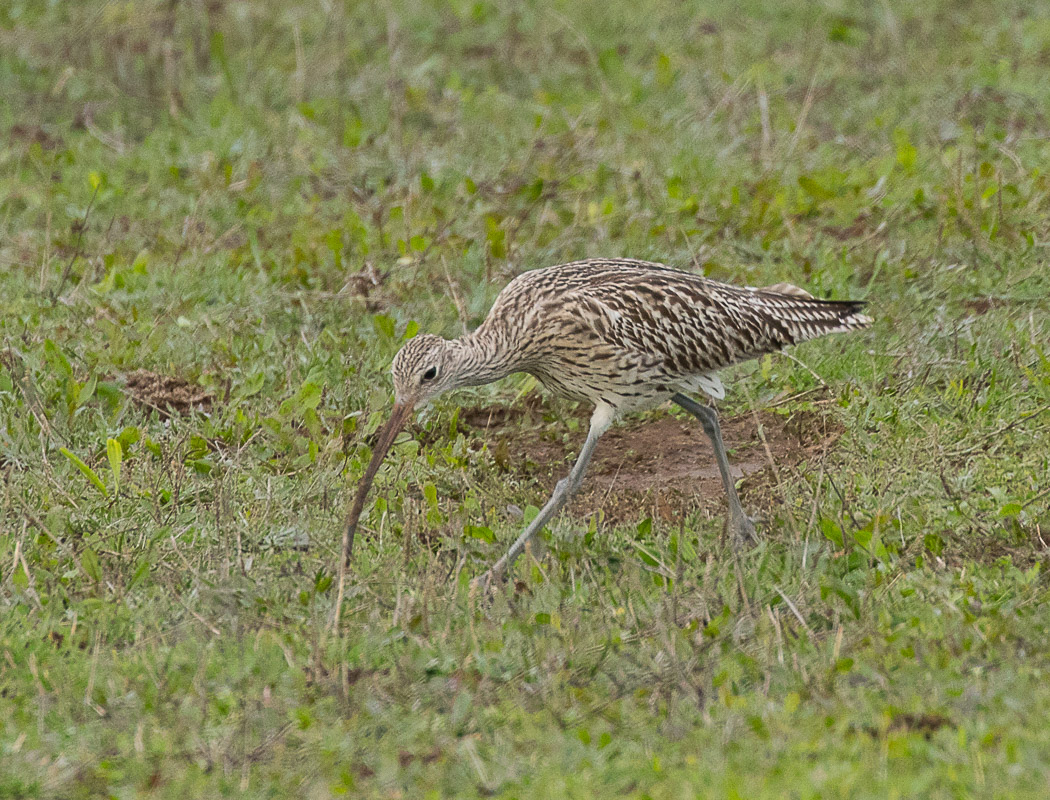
(708, 384)
(788, 289)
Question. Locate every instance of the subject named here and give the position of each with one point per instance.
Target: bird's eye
(430, 374)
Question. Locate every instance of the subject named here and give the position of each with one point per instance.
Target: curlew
(621, 334)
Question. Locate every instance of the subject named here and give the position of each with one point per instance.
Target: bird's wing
(694, 326)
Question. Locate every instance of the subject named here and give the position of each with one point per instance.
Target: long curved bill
(398, 418)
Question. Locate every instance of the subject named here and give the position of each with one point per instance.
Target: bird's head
(423, 369)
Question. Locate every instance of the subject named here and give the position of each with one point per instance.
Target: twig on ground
(77, 250)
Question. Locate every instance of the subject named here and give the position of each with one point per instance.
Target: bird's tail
(802, 316)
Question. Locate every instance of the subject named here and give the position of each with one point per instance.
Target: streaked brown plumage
(622, 334)
(627, 333)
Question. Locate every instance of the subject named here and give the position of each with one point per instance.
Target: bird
(621, 334)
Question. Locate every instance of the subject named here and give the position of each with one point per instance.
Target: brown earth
(659, 466)
(165, 393)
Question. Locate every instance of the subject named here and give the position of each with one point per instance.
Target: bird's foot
(485, 583)
(742, 528)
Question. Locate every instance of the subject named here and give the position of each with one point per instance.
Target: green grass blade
(90, 473)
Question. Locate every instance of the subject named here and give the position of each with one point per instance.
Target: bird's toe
(743, 530)
(484, 584)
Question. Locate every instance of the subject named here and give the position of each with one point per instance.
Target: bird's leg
(740, 524)
(601, 419)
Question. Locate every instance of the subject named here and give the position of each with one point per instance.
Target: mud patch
(34, 134)
(1023, 545)
(166, 394)
(978, 306)
(660, 466)
(925, 725)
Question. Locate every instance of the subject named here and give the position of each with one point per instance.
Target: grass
(264, 199)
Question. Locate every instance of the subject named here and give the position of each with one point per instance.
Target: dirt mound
(660, 466)
(165, 393)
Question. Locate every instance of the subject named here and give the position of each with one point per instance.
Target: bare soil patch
(924, 724)
(660, 466)
(165, 393)
(977, 306)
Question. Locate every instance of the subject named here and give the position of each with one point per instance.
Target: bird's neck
(483, 358)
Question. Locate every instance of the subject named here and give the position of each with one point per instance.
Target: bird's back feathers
(622, 329)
